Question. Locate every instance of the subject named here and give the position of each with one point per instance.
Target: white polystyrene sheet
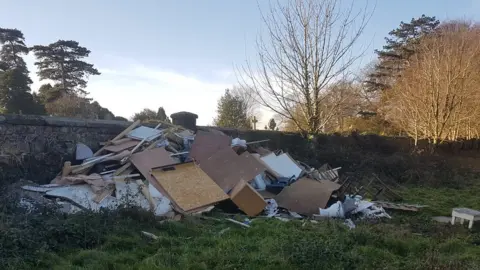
(282, 164)
(162, 203)
(162, 206)
(84, 196)
(154, 192)
(142, 132)
(130, 194)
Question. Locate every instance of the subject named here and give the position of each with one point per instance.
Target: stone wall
(35, 147)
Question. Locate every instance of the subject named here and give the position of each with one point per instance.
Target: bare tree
(309, 46)
(437, 95)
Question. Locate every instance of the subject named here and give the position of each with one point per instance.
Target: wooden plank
(146, 193)
(155, 158)
(227, 168)
(119, 136)
(122, 169)
(189, 186)
(107, 192)
(67, 168)
(120, 141)
(206, 144)
(116, 148)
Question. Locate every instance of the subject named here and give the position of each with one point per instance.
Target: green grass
(442, 200)
(114, 241)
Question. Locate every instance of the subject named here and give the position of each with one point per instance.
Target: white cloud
(126, 87)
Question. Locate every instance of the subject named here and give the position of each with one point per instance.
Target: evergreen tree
(272, 124)
(145, 115)
(15, 96)
(62, 63)
(101, 112)
(400, 46)
(48, 93)
(232, 112)
(149, 115)
(162, 116)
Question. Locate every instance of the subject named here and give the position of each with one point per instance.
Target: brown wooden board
(306, 196)
(188, 186)
(154, 158)
(227, 168)
(116, 148)
(247, 199)
(206, 144)
(147, 160)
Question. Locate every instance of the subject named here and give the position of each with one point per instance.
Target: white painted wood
(465, 214)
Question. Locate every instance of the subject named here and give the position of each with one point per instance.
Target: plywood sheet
(189, 187)
(227, 168)
(147, 160)
(154, 158)
(117, 148)
(206, 144)
(247, 199)
(306, 196)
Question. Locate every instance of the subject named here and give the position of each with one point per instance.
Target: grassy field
(114, 241)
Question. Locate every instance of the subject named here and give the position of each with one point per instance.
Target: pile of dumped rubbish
(174, 172)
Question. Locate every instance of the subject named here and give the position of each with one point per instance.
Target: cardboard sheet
(117, 148)
(227, 168)
(306, 196)
(188, 186)
(206, 144)
(247, 199)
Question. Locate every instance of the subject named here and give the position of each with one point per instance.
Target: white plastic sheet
(334, 211)
(143, 132)
(239, 142)
(282, 164)
(272, 207)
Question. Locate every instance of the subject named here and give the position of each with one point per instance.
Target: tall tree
(232, 112)
(400, 45)
(162, 115)
(272, 124)
(15, 96)
(150, 115)
(62, 63)
(309, 44)
(437, 97)
(145, 115)
(48, 93)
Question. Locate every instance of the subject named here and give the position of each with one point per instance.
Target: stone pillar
(185, 119)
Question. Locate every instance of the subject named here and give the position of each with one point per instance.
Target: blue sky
(180, 54)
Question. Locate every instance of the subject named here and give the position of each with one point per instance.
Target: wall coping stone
(40, 120)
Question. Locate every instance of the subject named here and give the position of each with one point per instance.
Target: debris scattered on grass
(150, 235)
(174, 172)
